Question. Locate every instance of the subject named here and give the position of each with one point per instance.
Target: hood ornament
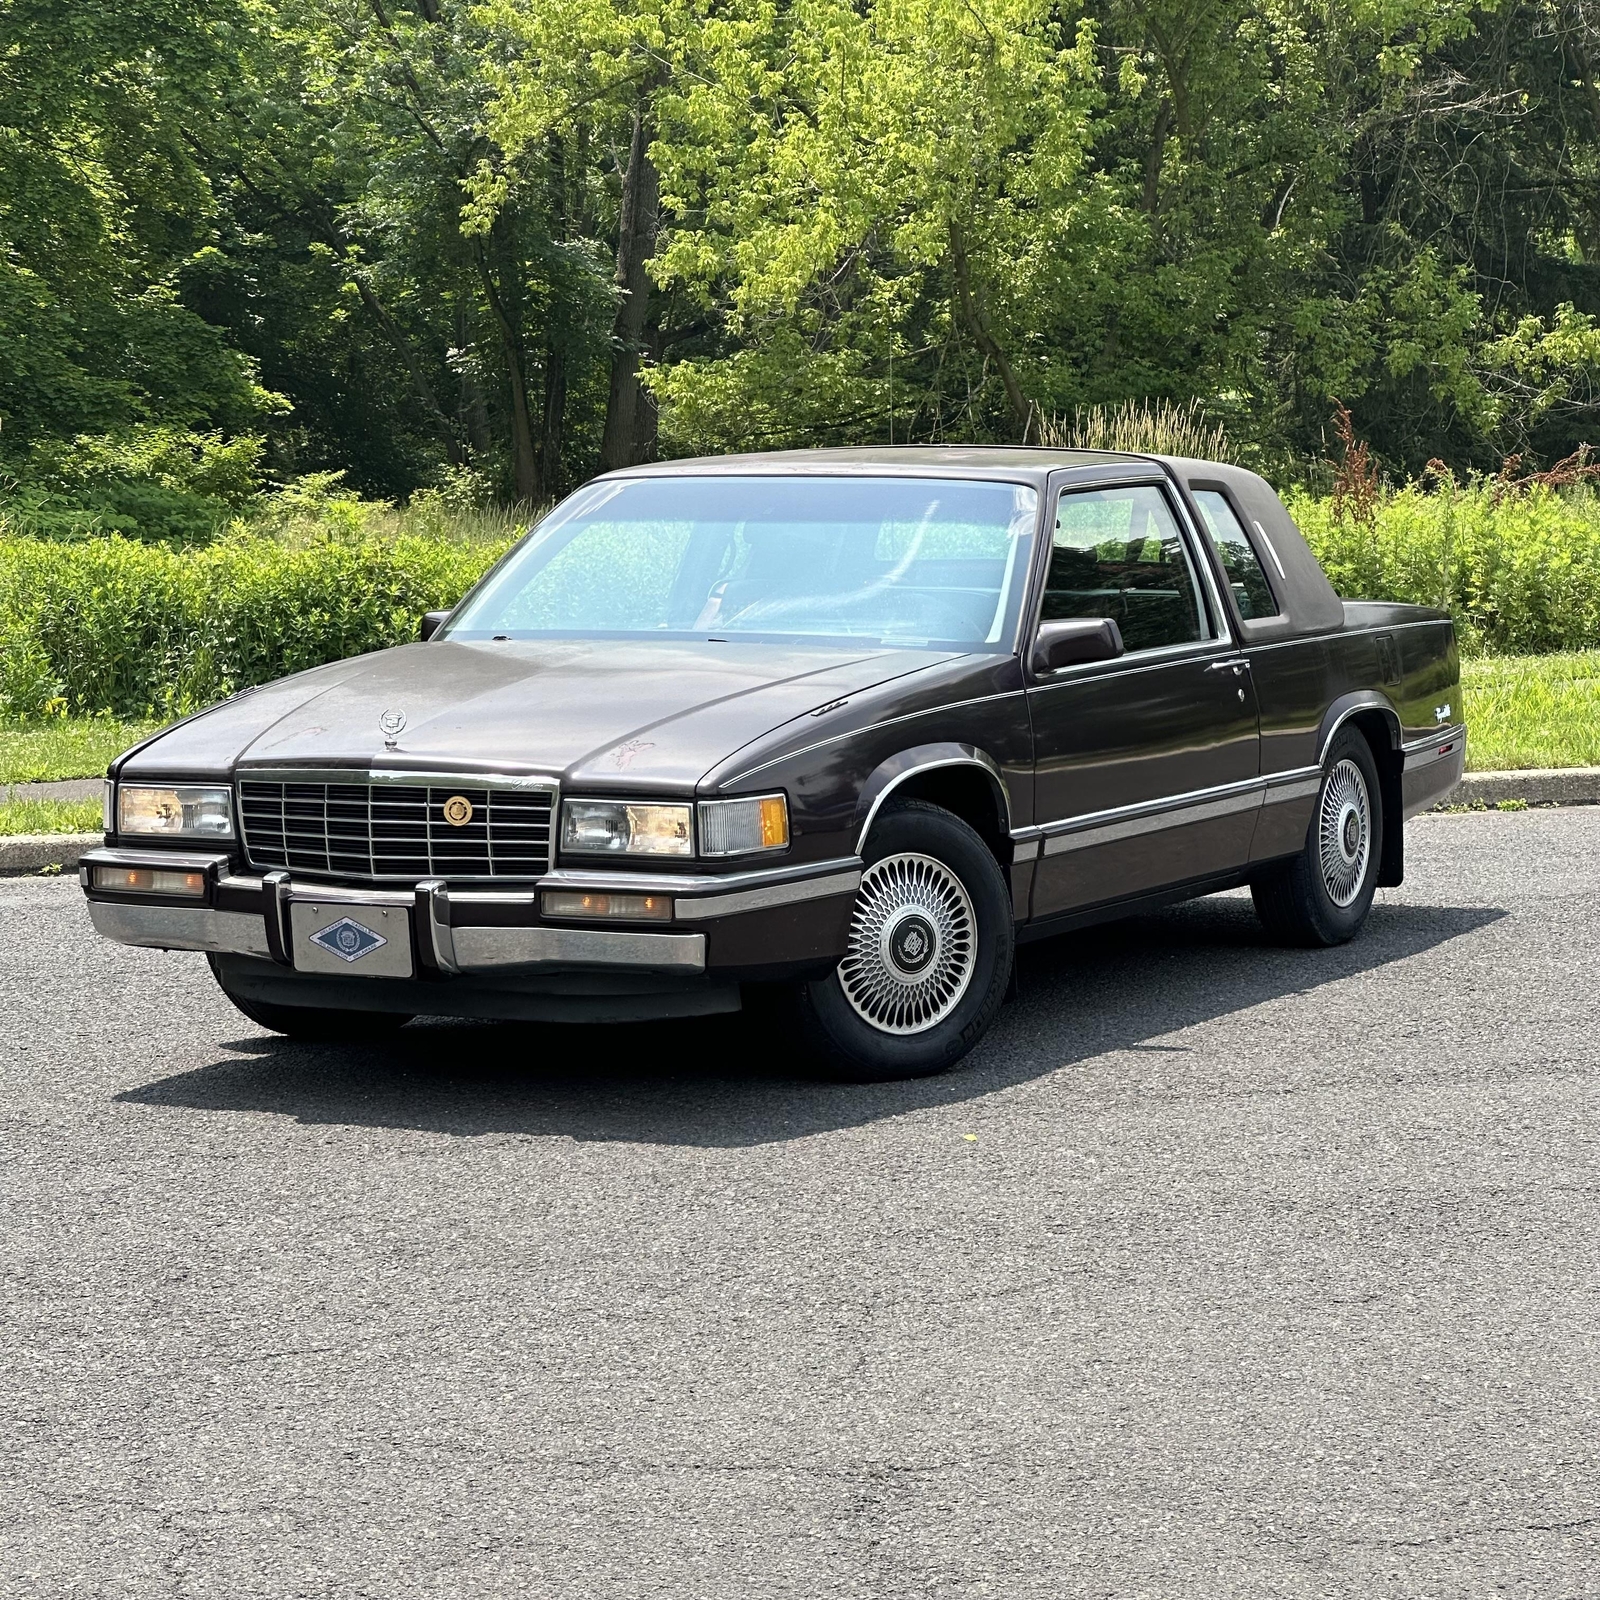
(392, 725)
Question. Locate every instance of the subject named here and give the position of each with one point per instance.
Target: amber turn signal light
(608, 907)
(150, 880)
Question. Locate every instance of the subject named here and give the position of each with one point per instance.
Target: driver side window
(1118, 553)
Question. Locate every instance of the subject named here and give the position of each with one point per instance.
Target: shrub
(148, 483)
(115, 626)
(1518, 569)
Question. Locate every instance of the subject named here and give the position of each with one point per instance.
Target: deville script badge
(348, 939)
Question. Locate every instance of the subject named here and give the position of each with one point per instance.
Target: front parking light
(150, 880)
(602, 907)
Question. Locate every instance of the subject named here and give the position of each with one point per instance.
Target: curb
(44, 852)
(1538, 786)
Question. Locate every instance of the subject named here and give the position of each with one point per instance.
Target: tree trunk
(524, 453)
(625, 430)
(553, 417)
(1022, 408)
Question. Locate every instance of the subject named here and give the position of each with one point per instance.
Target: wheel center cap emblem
(912, 944)
(458, 811)
(1352, 833)
(348, 939)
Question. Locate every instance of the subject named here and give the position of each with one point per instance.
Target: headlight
(182, 811)
(618, 827)
(742, 827)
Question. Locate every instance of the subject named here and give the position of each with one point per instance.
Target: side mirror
(1064, 644)
(430, 623)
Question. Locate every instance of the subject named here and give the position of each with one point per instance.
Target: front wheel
(1322, 896)
(312, 1022)
(928, 957)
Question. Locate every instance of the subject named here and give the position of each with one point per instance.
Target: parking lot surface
(1218, 1270)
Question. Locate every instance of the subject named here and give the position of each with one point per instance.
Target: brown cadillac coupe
(849, 722)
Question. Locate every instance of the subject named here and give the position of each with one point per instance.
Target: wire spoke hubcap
(913, 944)
(1344, 832)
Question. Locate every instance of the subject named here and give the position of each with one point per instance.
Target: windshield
(895, 561)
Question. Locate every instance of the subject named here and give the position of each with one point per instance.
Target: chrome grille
(395, 830)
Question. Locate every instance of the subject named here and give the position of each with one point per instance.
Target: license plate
(353, 940)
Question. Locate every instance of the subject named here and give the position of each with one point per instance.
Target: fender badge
(1442, 713)
(391, 724)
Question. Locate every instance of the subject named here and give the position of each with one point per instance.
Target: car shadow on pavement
(739, 1080)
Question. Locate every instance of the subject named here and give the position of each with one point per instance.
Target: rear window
(1251, 591)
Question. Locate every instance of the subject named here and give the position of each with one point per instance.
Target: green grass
(1532, 711)
(50, 816)
(68, 747)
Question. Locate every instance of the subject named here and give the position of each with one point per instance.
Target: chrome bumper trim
(304, 889)
(172, 860)
(1423, 752)
(180, 928)
(433, 907)
(779, 894)
(493, 949)
(601, 881)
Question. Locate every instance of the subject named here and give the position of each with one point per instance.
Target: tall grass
(1144, 427)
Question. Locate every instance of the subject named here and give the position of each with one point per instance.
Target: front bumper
(734, 926)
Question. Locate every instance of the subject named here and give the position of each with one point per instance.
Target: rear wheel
(313, 1022)
(929, 953)
(1322, 896)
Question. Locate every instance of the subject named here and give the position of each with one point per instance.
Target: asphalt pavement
(1218, 1270)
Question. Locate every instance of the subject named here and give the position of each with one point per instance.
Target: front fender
(888, 776)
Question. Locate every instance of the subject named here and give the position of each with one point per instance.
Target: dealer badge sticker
(348, 939)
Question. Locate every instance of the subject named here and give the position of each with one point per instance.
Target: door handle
(1235, 667)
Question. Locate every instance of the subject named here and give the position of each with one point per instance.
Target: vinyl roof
(984, 460)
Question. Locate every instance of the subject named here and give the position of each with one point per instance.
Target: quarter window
(1118, 553)
(1251, 590)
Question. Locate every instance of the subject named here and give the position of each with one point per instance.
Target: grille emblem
(348, 939)
(458, 811)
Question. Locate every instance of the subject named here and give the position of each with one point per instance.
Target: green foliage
(1518, 570)
(150, 482)
(406, 242)
(128, 629)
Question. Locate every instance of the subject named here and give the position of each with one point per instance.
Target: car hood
(623, 715)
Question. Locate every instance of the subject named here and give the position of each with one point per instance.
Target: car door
(1147, 766)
